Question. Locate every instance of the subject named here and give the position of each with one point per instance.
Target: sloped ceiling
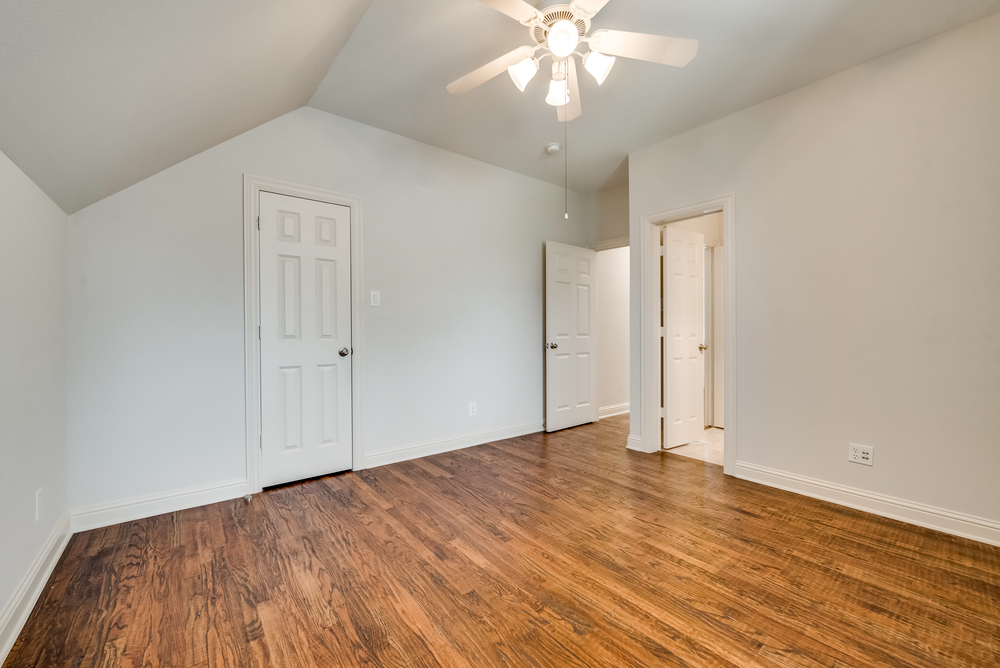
(97, 95)
(393, 72)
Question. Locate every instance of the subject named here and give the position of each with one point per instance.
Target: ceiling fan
(558, 30)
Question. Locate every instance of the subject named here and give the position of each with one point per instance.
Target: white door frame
(252, 187)
(649, 425)
(709, 335)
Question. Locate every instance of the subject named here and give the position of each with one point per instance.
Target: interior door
(305, 318)
(683, 337)
(570, 336)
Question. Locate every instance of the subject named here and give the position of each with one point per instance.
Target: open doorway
(692, 293)
(613, 329)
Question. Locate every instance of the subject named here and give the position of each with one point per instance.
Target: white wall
(611, 209)
(867, 233)
(32, 384)
(612, 330)
(156, 384)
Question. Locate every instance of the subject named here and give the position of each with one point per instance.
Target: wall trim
(947, 521)
(608, 244)
(15, 614)
(613, 409)
(436, 447)
(645, 407)
(136, 508)
(635, 443)
(252, 187)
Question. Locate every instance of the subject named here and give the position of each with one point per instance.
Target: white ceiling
(97, 95)
(393, 72)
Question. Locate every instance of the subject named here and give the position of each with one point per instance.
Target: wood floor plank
(549, 550)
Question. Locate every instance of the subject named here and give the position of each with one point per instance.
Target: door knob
(344, 352)
(702, 347)
(553, 346)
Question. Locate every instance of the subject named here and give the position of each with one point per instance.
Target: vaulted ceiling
(98, 95)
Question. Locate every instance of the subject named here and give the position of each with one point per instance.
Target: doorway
(646, 425)
(690, 336)
(303, 325)
(613, 328)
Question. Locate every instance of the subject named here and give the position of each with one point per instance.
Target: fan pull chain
(565, 158)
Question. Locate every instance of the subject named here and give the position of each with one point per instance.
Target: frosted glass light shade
(598, 65)
(563, 38)
(558, 95)
(522, 72)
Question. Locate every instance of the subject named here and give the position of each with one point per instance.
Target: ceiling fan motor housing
(550, 15)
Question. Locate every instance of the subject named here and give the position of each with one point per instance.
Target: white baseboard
(116, 512)
(635, 443)
(437, 447)
(16, 613)
(614, 409)
(958, 524)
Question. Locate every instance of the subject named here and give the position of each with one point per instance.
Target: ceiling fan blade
(653, 48)
(489, 70)
(573, 108)
(519, 10)
(587, 8)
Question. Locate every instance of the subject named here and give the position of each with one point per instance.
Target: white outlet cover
(472, 410)
(860, 454)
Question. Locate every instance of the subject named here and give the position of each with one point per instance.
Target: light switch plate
(376, 298)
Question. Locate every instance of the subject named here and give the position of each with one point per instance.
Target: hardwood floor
(546, 550)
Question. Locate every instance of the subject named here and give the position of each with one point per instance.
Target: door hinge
(258, 332)
(661, 247)
(661, 332)
(661, 411)
(258, 222)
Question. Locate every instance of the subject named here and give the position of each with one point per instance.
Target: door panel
(683, 334)
(305, 311)
(570, 326)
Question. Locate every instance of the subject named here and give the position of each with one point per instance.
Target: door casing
(252, 187)
(645, 429)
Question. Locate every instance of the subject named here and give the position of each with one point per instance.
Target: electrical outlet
(860, 454)
(38, 505)
(472, 410)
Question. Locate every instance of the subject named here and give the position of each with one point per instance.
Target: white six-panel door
(683, 337)
(570, 336)
(305, 318)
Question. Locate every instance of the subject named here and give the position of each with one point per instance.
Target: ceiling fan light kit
(562, 38)
(558, 94)
(559, 29)
(598, 65)
(558, 89)
(523, 72)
